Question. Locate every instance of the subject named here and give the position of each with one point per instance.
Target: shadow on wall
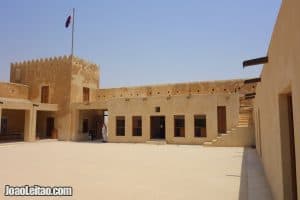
(253, 184)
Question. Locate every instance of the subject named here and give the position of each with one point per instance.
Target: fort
(61, 98)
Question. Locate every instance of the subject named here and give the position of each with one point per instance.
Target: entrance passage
(12, 125)
(45, 125)
(288, 146)
(50, 126)
(91, 123)
(158, 130)
(222, 128)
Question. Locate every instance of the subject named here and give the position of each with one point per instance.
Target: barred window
(120, 126)
(137, 126)
(179, 126)
(200, 125)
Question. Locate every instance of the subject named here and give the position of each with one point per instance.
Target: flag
(68, 21)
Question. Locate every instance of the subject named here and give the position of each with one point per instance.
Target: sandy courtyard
(134, 171)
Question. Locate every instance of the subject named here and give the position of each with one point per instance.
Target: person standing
(104, 132)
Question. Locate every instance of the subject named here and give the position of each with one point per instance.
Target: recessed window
(85, 126)
(86, 94)
(45, 94)
(179, 129)
(200, 125)
(17, 75)
(157, 109)
(137, 126)
(120, 126)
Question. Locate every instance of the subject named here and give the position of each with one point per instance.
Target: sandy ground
(134, 171)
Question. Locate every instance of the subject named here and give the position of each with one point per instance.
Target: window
(18, 75)
(179, 126)
(157, 109)
(120, 122)
(86, 94)
(85, 126)
(200, 125)
(137, 126)
(45, 94)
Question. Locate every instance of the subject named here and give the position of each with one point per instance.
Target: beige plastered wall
(279, 76)
(169, 106)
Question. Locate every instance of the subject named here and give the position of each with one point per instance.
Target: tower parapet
(61, 59)
(84, 63)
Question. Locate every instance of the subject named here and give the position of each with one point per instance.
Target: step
(207, 144)
(156, 142)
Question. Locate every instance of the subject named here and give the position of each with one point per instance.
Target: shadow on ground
(253, 184)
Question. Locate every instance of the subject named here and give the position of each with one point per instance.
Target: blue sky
(138, 42)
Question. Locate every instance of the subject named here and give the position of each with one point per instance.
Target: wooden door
(222, 128)
(3, 126)
(50, 126)
(157, 127)
(292, 149)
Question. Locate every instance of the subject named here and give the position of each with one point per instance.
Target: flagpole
(73, 22)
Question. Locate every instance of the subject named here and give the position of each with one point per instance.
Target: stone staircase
(241, 135)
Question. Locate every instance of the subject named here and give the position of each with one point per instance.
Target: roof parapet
(42, 60)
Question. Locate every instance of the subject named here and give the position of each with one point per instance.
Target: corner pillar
(30, 125)
(74, 124)
(0, 118)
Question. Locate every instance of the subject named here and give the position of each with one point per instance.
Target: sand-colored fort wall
(193, 88)
(188, 99)
(280, 77)
(13, 90)
(169, 107)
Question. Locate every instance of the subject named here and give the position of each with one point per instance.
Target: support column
(0, 118)
(30, 125)
(75, 125)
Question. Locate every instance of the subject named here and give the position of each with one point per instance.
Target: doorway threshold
(157, 141)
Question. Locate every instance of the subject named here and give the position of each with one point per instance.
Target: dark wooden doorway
(3, 126)
(222, 127)
(288, 157)
(292, 148)
(50, 127)
(158, 130)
